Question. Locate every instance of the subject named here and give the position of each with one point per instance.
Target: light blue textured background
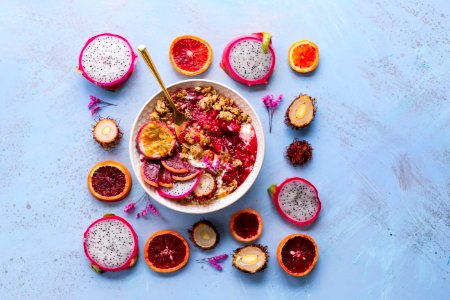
(381, 138)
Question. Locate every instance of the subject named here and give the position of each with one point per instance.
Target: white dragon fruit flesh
(297, 200)
(107, 60)
(249, 59)
(111, 244)
(180, 189)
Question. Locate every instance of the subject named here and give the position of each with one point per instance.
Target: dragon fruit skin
(112, 220)
(274, 192)
(114, 84)
(180, 189)
(227, 66)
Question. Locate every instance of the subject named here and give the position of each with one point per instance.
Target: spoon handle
(148, 60)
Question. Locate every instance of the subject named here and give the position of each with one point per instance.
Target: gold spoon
(180, 118)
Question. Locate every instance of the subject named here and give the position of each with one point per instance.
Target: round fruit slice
(297, 254)
(301, 112)
(150, 172)
(180, 189)
(303, 56)
(107, 133)
(111, 244)
(166, 251)
(246, 225)
(155, 140)
(204, 235)
(109, 181)
(206, 187)
(297, 200)
(191, 173)
(190, 55)
(251, 259)
(165, 178)
(175, 164)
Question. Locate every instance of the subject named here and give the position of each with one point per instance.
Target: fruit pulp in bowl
(223, 140)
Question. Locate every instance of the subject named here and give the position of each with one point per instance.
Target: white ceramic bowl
(143, 116)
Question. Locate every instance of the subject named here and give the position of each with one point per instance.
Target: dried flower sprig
(214, 261)
(148, 208)
(96, 104)
(271, 104)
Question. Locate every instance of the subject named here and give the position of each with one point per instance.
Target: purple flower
(219, 257)
(95, 110)
(276, 102)
(271, 105)
(129, 207)
(96, 104)
(214, 261)
(153, 209)
(215, 264)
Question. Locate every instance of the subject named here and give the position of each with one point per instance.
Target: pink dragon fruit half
(111, 244)
(107, 60)
(297, 200)
(249, 59)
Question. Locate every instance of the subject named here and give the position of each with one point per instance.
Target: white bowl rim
(234, 196)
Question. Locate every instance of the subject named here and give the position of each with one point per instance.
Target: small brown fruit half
(301, 112)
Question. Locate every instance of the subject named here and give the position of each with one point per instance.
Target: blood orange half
(297, 254)
(166, 251)
(190, 55)
(246, 225)
(303, 56)
(109, 181)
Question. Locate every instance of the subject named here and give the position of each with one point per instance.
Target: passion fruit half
(155, 140)
(301, 112)
(204, 235)
(251, 259)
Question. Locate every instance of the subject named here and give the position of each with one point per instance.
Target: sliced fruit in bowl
(179, 189)
(155, 140)
(109, 181)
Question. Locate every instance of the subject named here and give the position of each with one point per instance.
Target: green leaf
(266, 41)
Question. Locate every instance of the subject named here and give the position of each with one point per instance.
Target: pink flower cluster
(214, 261)
(96, 104)
(271, 104)
(148, 208)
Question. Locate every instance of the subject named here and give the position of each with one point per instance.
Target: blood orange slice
(109, 181)
(166, 251)
(303, 56)
(190, 55)
(246, 225)
(297, 254)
